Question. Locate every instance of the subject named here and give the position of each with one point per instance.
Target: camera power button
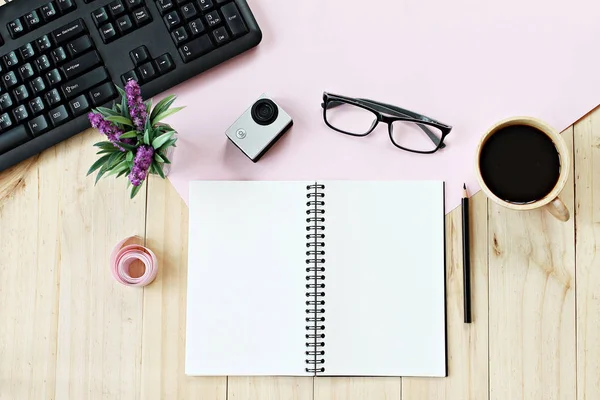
(240, 133)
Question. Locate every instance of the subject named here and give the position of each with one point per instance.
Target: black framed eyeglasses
(408, 130)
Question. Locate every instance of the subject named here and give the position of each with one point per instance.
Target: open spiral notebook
(333, 278)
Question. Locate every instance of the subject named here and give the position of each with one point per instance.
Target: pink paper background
(468, 63)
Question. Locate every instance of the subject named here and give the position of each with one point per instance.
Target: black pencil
(466, 256)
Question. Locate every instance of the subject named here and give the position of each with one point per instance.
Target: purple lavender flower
(137, 108)
(112, 132)
(141, 164)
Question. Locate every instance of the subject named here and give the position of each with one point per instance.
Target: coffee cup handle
(559, 210)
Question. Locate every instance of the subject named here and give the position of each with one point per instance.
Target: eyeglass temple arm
(392, 110)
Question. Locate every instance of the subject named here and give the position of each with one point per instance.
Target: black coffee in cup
(520, 164)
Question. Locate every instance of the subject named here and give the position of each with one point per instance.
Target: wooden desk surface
(69, 331)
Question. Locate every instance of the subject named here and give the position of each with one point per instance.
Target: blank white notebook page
(385, 279)
(246, 279)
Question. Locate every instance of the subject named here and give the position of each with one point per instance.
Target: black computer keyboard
(60, 58)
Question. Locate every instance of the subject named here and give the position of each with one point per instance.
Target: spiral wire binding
(315, 275)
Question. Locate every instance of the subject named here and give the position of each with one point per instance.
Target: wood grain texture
(587, 184)
(532, 302)
(467, 343)
(72, 332)
(163, 340)
(270, 388)
(358, 388)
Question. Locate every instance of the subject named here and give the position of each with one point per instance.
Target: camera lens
(264, 112)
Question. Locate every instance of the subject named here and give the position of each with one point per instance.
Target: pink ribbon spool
(122, 258)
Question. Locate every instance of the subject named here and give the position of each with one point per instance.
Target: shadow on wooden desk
(68, 331)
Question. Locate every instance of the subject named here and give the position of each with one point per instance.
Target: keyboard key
(172, 20)
(13, 138)
(59, 55)
(21, 93)
(16, 28)
(25, 71)
(221, 36)
(164, 64)
(164, 6)
(43, 44)
(196, 27)
(84, 82)
(188, 11)
(102, 94)
(234, 20)
(179, 35)
(131, 4)
(79, 45)
(26, 51)
(53, 77)
(53, 97)
(142, 16)
(20, 114)
(124, 24)
(37, 85)
(146, 72)
(196, 48)
(5, 102)
(10, 60)
(213, 18)
(58, 115)
(108, 33)
(38, 125)
(32, 20)
(49, 11)
(79, 105)
(66, 6)
(42, 63)
(140, 55)
(205, 4)
(9, 80)
(69, 31)
(116, 8)
(80, 65)
(36, 105)
(100, 16)
(129, 76)
(5, 122)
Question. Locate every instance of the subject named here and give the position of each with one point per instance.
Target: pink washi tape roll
(133, 264)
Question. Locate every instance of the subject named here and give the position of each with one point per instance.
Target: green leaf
(127, 146)
(135, 190)
(147, 136)
(126, 171)
(158, 158)
(118, 119)
(168, 144)
(162, 139)
(159, 170)
(129, 135)
(122, 166)
(121, 91)
(147, 125)
(165, 114)
(148, 104)
(107, 112)
(124, 107)
(162, 105)
(100, 173)
(99, 162)
(165, 159)
(129, 156)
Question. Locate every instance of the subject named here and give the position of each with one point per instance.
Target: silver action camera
(259, 128)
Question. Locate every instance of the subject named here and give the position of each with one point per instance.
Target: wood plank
(100, 321)
(163, 340)
(267, 388)
(587, 169)
(29, 268)
(467, 343)
(357, 388)
(532, 302)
